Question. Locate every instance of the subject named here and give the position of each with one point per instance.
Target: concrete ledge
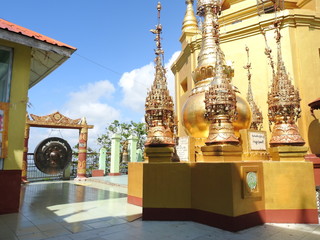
(114, 174)
(135, 200)
(315, 159)
(221, 153)
(288, 153)
(97, 173)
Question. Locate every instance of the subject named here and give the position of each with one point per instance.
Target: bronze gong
(52, 155)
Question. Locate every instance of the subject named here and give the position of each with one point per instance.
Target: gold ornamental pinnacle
(256, 119)
(159, 114)
(283, 101)
(193, 109)
(220, 99)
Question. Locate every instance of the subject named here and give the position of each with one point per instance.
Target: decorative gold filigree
(56, 118)
(220, 99)
(257, 119)
(283, 100)
(159, 105)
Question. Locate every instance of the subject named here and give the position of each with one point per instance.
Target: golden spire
(257, 119)
(210, 49)
(220, 99)
(159, 105)
(189, 21)
(283, 102)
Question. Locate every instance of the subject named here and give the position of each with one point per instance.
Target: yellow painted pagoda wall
(239, 27)
(18, 102)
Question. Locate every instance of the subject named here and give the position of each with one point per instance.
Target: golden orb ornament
(197, 126)
(212, 69)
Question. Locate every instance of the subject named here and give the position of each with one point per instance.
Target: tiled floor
(93, 210)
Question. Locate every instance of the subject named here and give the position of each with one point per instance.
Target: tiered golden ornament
(283, 101)
(159, 105)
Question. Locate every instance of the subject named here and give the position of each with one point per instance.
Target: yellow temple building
(241, 23)
(26, 57)
(219, 182)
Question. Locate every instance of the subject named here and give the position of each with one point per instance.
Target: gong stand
(57, 120)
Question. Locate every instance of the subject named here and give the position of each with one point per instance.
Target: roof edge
(14, 28)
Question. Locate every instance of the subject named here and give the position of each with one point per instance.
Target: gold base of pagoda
(222, 132)
(221, 153)
(159, 136)
(199, 143)
(159, 154)
(286, 134)
(288, 153)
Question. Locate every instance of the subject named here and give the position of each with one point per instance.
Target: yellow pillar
(25, 154)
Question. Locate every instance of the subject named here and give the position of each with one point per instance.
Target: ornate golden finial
(283, 102)
(220, 99)
(257, 119)
(189, 21)
(268, 51)
(210, 49)
(159, 105)
(193, 111)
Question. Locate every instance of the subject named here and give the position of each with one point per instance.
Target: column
(67, 172)
(25, 154)
(139, 155)
(133, 140)
(115, 155)
(102, 160)
(82, 156)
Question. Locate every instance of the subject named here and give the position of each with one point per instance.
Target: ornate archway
(58, 120)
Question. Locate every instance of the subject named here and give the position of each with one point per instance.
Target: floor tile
(56, 232)
(77, 227)
(26, 230)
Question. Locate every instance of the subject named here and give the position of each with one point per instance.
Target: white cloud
(91, 101)
(134, 84)
(170, 76)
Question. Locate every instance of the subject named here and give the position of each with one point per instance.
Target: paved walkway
(65, 210)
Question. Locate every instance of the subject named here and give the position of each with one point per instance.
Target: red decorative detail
(315, 159)
(135, 200)
(25, 155)
(10, 184)
(309, 216)
(97, 173)
(114, 174)
(224, 222)
(233, 224)
(82, 156)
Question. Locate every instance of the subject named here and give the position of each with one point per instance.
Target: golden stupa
(193, 111)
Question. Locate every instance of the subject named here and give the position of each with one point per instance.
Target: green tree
(125, 130)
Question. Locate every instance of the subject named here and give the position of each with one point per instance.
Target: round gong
(52, 155)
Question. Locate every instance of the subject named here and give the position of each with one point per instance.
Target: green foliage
(125, 130)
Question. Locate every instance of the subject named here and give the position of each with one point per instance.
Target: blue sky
(107, 77)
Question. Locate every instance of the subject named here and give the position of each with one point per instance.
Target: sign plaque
(183, 149)
(257, 141)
